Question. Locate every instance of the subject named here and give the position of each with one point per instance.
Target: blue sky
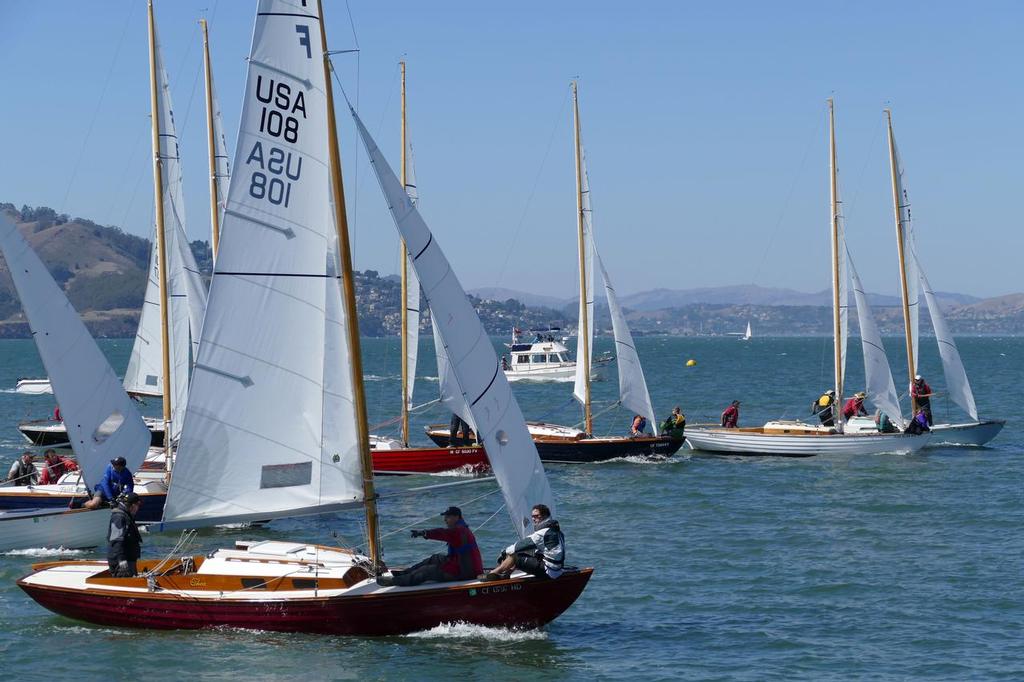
(704, 125)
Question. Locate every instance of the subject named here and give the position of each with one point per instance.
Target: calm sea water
(708, 567)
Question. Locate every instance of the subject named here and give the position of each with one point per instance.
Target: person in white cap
(922, 394)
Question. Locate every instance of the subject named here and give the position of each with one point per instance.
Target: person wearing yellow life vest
(823, 407)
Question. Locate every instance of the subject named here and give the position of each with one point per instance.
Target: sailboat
(557, 443)
(398, 457)
(747, 335)
(859, 435)
(175, 283)
(101, 417)
(281, 321)
(913, 282)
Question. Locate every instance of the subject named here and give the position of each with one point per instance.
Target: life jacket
(825, 400)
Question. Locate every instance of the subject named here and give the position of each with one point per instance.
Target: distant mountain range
(743, 294)
(103, 272)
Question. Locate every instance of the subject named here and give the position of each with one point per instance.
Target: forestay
(952, 366)
(879, 386)
(270, 428)
(101, 419)
(474, 365)
(633, 392)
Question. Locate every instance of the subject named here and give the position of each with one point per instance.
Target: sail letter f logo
(303, 31)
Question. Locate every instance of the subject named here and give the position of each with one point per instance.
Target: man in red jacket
(461, 562)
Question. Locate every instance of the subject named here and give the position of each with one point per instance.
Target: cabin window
(286, 475)
(254, 583)
(304, 583)
(522, 359)
(539, 358)
(554, 358)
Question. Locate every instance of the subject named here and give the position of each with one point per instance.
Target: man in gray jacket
(542, 553)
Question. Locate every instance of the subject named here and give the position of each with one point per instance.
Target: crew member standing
(124, 538)
(922, 395)
(731, 415)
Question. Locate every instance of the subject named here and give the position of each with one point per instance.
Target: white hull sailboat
(284, 261)
(33, 387)
(53, 528)
(913, 282)
(798, 439)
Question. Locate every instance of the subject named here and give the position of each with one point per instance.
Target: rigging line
(786, 202)
(533, 191)
(461, 504)
(487, 520)
(96, 113)
(848, 208)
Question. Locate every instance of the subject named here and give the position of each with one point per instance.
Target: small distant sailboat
(912, 282)
(102, 419)
(746, 336)
(858, 435)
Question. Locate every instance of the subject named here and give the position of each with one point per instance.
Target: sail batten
(475, 371)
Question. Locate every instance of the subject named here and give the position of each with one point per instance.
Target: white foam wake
(448, 631)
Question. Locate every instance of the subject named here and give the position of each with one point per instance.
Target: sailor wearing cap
(855, 406)
(461, 562)
(116, 481)
(124, 538)
(823, 407)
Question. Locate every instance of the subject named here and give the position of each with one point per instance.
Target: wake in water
(449, 631)
(45, 551)
(644, 459)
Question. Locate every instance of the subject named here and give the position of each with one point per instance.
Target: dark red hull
(518, 603)
(430, 460)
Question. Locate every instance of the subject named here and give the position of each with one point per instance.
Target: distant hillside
(103, 271)
(743, 294)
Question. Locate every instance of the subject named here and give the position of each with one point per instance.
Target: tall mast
(158, 195)
(214, 199)
(349, 303)
(584, 321)
(897, 209)
(837, 341)
(405, 294)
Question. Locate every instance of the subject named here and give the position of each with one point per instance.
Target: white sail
(879, 386)
(747, 335)
(909, 262)
(633, 392)
(497, 418)
(222, 165)
(101, 419)
(186, 292)
(144, 375)
(412, 292)
(584, 361)
(267, 433)
(952, 366)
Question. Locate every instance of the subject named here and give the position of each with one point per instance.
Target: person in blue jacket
(116, 481)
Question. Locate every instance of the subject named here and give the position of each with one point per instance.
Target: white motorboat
(33, 387)
(544, 359)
